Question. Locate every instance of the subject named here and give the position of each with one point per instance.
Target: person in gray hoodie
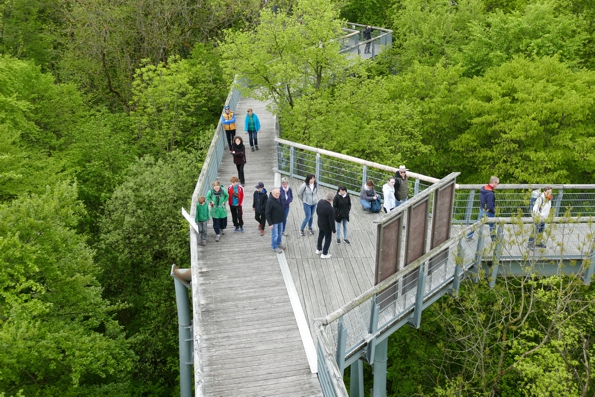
(308, 195)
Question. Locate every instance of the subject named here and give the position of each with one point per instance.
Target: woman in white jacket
(541, 210)
(308, 195)
(388, 191)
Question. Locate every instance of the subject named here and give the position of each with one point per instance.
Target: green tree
(142, 235)
(288, 54)
(58, 335)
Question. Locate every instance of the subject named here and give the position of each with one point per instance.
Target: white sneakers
(325, 256)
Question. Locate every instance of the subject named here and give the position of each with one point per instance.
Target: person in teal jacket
(201, 218)
(252, 126)
(217, 199)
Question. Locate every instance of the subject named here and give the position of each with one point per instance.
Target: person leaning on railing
(541, 210)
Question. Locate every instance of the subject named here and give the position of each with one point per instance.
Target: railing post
(469, 209)
(478, 253)
(356, 379)
(456, 280)
(341, 340)
(291, 161)
(416, 186)
(497, 253)
(558, 202)
(185, 336)
(419, 296)
(318, 166)
(380, 369)
(590, 270)
(372, 330)
(364, 175)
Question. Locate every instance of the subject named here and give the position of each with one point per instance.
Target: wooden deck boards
(251, 345)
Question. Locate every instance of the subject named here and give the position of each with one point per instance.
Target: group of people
(395, 192)
(540, 206)
(235, 143)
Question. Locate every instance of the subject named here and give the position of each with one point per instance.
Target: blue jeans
(219, 224)
(276, 235)
(285, 219)
(338, 227)
(482, 213)
(366, 204)
(397, 202)
(539, 228)
(326, 236)
(309, 210)
(253, 137)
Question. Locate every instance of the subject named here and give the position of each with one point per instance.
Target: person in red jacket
(236, 200)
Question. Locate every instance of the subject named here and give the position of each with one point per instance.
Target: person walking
(252, 126)
(487, 205)
(217, 199)
(236, 200)
(368, 197)
(388, 191)
(541, 210)
(201, 218)
(326, 225)
(286, 199)
(259, 202)
(308, 195)
(274, 216)
(238, 150)
(342, 207)
(367, 36)
(228, 119)
(401, 185)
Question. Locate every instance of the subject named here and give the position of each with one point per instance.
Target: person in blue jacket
(252, 126)
(487, 205)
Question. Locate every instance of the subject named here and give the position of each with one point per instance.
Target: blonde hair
(201, 199)
(494, 179)
(216, 183)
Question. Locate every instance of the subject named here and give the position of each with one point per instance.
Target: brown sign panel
(442, 219)
(388, 249)
(416, 230)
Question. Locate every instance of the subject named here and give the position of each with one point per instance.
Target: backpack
(534, 196)
(376, 205)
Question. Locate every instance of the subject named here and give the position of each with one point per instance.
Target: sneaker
(311, 231)
(260, 227)
(278, 250)
(262, 232)
(204, 242)
(346, 241)
(302, 233)
(217, 238)
(281, 247)
(237, 229)
(252, 149)
(468, 238)
(328, 256)
(541, 245)
(338, 241)
(285, 234)
(318, 252)
(242, 229)
(256, 146)
(222, 232)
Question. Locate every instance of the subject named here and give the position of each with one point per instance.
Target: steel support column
(356, 379)
(185, 337)
(496, 257)
(380, 369)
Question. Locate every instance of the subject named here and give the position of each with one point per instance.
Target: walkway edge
(298, 312)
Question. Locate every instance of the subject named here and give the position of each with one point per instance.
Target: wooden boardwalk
(251, 345)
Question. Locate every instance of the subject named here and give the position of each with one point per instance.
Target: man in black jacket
(326, 225)
(275, 215)
(259, 203)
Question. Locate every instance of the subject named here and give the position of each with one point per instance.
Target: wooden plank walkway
(251, 345)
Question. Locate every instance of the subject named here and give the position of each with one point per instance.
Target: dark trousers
(260, 218)
(538, 231)
(327, 237)
(240, 168)
(253, 136)
(230, 134)
(219, 224)
(367, 50)
(237, 215)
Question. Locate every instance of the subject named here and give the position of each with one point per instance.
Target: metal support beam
(292, 162)
(589, 271)
(469, 208)
(356, 379)
(380, 369)
(478, 254)
(416, 186)
(496, 257)
(341, 340)
(419, 296)
(371, 349)
(558, 202)
(184, 331)
(456, 280)
(318, 166)
(364, 174)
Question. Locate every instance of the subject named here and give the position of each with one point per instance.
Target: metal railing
(354, 40)
(370, 318)
(335, 169)
(513, 200)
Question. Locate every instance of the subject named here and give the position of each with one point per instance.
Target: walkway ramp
(250, 341)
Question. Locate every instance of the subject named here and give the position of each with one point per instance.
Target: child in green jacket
(201, 218)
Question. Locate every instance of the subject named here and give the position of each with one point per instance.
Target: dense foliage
(106, 111)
